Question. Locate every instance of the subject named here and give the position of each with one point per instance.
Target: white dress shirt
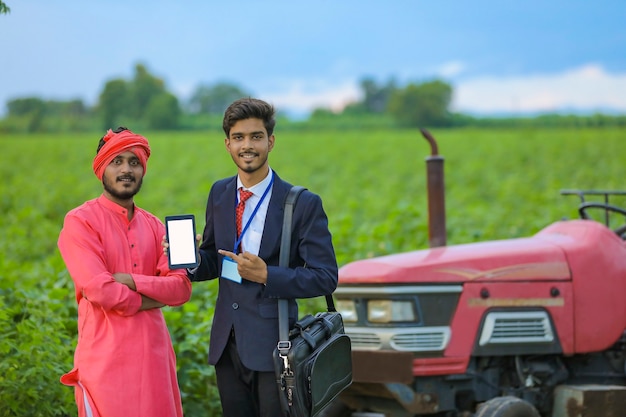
(251, 241)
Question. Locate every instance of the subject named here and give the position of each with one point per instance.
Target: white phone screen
(181, 236)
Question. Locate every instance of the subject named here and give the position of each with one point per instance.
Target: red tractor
(523, 327)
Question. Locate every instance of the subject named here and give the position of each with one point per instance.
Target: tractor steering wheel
(619, 231)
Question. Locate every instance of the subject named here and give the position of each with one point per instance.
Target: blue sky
(499, 56)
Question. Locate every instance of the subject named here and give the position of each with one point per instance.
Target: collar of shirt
(256, 189)
(113, 206)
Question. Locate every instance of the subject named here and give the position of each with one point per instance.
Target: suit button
(235, 306)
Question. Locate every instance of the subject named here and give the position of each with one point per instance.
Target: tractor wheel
(507, 407)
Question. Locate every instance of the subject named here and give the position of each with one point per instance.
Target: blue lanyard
(238, 240)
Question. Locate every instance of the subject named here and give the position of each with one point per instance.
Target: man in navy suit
(244, 333)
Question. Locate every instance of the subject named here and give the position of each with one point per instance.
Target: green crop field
(499, 184)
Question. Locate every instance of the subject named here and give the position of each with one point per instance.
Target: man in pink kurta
(124, 363)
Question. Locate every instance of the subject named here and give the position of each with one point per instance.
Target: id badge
(229, 270)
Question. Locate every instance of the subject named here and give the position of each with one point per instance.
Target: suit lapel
(225, 209)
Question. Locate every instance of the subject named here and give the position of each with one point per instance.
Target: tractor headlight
(347, 309)
(389, 311)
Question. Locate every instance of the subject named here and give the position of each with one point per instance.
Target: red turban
(117, 143)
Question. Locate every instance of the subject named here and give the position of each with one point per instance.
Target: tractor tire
(507, 407)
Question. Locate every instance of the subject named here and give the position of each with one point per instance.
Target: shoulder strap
(283, 260)
(285, 241)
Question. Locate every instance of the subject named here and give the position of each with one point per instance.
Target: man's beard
(123, 195)
(250, 168)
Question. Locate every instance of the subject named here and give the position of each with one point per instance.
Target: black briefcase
(314, 366)
(313, 360)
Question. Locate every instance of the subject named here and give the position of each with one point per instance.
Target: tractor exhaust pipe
(436, 194)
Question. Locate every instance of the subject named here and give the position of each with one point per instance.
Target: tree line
(144, 102)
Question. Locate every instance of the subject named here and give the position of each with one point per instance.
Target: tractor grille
(427, 339)
(364, 340)
(516, 327)
(424, 341)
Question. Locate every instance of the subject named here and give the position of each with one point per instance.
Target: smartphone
(181, 235)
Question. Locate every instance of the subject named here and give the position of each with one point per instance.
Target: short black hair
(249, 108)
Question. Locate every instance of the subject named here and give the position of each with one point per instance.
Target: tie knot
(244, 195)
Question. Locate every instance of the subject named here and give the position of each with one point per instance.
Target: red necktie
(243, 196)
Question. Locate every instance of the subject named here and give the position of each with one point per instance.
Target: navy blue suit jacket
(252, 308)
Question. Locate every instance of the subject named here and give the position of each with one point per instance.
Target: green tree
(4, 9)
(114, 103)
(163, 112)
(356, 108)
(375, 97)
(142, 100)
(25, 106)
(214, 99)
(65, 109)
(30, 111)
(422, 104)
(32, 114)
(144, 87)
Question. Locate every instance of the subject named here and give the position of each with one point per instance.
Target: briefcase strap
(283, 260)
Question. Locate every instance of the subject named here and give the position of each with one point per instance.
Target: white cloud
(300, 98)
(451, 69)
(586, 88)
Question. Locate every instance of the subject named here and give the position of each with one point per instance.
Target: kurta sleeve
(171, 287)
(83, 253)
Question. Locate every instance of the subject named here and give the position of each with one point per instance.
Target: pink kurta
(124, 363)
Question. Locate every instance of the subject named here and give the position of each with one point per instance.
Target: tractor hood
(531, 258)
